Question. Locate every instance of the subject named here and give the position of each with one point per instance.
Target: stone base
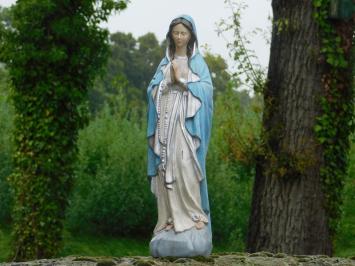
(189, 243)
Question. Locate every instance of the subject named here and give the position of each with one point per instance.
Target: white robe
(177, 187)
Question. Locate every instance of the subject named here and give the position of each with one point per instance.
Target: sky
(144, 16)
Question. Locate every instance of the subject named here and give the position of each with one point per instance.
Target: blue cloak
(198, 126)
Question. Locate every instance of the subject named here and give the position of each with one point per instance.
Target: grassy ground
(87, 246)
(104, 246)
(93, 246)
(4, 243)
(117, 247)
(345, 242)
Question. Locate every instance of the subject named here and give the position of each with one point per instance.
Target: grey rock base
(189, 243)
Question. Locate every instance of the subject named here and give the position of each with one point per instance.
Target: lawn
(86, 245)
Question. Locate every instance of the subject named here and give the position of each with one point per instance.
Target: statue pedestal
(189, 243)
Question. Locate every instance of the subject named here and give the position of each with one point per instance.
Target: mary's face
(181, 35)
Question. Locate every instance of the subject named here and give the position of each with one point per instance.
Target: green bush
(6, 148)
(111, 194)
(229, 193)
(230, 166)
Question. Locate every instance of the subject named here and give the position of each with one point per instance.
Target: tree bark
(288, 213)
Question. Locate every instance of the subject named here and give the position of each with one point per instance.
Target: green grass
(97, 246)
(86, 245)
(4, 242)
(345, 242)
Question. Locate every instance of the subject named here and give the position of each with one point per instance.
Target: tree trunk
(288, 211)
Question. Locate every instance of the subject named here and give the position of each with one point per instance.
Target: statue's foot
(168, 227)
(199, 225)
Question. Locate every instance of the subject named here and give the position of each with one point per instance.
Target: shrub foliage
(52, 49)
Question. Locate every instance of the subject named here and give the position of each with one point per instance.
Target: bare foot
(199, 225)
(168, 227)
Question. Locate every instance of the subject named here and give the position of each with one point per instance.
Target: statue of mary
(180, 110)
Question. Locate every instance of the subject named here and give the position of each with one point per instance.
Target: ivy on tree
(337, 121)
(53, 49)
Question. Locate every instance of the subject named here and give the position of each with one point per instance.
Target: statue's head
(180, 33)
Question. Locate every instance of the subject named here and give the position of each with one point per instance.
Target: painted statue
(180, 107)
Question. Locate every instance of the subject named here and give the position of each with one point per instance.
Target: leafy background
(111, 210)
